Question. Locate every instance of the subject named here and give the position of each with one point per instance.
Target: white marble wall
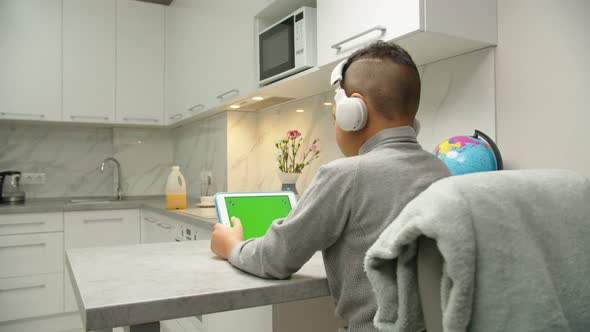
(70, 157)
(458, 96)
(146, 157)
(202, 147)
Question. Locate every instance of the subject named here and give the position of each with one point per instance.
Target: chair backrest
(430, 264)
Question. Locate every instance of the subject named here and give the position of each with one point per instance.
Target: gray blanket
(516, 251)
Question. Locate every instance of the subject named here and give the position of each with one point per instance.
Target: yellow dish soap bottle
(175, 190)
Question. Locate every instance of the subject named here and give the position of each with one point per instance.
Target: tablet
(256, 210)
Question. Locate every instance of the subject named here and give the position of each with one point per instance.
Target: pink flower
(293, 134)
(313, 148)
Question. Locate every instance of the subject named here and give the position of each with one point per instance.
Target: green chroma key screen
(257, 212)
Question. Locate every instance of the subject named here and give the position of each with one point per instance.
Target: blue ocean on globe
(466, 154)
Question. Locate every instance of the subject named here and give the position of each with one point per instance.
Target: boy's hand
(225, 238)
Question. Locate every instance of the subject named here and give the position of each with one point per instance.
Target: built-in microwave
(288, 46)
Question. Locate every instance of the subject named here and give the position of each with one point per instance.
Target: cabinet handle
(149, 219)
(30, 115)
(24, 245)
(164, 226)
(90, 117)
(175, 116)
(103, 220)
(338, 46)
(142, 119)
(195, 108)
(23, 224)
(225, 94)
(22, 287)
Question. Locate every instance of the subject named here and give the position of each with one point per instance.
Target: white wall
(543, 83)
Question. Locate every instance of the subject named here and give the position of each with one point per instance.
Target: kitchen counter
(144, 284)
(153, 203)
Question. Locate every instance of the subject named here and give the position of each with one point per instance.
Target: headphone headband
(336, 75)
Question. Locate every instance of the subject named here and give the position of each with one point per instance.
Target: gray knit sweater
(344, 210)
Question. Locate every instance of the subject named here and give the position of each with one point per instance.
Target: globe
(469, 154)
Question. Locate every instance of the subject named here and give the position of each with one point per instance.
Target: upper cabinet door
(30, 59)
(140, 62)
(346, 25)
(430, 30)
(209, 54)
(89, 60)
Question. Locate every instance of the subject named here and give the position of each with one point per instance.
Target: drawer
(101, 228)
(23, 223)
(31, 296)
(28, 254)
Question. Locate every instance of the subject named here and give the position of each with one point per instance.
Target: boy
(351, 200)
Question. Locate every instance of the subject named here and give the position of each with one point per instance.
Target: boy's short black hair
(404, 97)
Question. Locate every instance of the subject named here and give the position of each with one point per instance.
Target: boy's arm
(314, 224)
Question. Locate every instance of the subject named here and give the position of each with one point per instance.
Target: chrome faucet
(119, 191)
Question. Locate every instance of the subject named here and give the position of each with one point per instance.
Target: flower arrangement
(287, 149)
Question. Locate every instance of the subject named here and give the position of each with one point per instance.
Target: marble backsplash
(70, 156)
(458, 96)
(201, 148)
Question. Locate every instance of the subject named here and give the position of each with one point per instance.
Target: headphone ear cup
(351, 114)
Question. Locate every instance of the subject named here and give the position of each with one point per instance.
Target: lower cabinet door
(31, 296)
(31, 254)
(97, 229)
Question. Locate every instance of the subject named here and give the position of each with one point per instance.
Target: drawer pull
(30, 115)
(24, 245)
(149, 219)
(338, 45)
(23, 224)
(175, 116)
(196, 108)
(22, 287)
(103, 220)
(225, 94)
(165, 226)
(89, 117)
(142, 119)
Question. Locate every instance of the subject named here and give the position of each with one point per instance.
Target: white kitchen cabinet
(31, 261)
(25, 223)
(89, 60)
(30, 60)
(429, 30)
(156, 228)
(140, 63)
(28, 254)
(95, 229)
(209, 55)
(30, 296)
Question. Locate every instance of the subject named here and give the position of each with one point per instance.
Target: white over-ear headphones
(351, 113)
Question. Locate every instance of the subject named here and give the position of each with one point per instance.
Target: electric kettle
(10, 191)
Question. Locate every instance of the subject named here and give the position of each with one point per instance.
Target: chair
(502, 251)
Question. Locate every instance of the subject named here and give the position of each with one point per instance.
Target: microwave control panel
(299, 33)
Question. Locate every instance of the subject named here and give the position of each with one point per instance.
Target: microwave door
(276, 49)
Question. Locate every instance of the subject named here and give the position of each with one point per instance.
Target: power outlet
(206, 177)
(32, 178)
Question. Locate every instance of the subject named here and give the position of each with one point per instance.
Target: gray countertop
(153, 203)
(129, 285)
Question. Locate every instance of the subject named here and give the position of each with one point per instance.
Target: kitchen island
(140, 285)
